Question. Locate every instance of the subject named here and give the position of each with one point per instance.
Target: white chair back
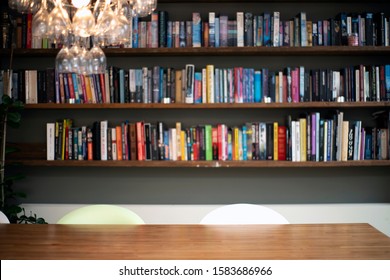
(243, 213)
(3, 218)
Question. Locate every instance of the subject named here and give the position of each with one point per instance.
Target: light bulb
(80, 3)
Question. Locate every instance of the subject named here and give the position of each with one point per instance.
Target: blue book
(121, 86)
(196, 30)
(217, 43)
(257, 86)
(76, 87)
(169, 34)
(368, 146)
(244, 143)
(387, 79)
(251, 86)
(166, 144)
(135, 32)
(198, 88)
(161, 84)
(267, 30)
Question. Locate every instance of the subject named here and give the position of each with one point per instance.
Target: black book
(162, 28)
(369, 29)
(6, 27)
(96, 140)
(270, 141)
(380, 24)
(335, 30)
(248, 29)
(154, 141)
(342, 18)
(148, 141)
(50, 85)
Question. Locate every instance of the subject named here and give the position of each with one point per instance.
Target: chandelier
(74, 24)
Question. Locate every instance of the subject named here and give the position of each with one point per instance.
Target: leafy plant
(9, 198)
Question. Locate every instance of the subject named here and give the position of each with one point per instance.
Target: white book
(280, 76)
(172, 144)
(344, 143)
(50, 141)
(298, 140)
(317, 118)
(377, 84)
(325, 140)
(240, 29)
(276, 26)
(103, 139)
(357, 85)
(293, 141)
(204, 85)
(113, 144)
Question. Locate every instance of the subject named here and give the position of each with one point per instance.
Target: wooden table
(191, 242)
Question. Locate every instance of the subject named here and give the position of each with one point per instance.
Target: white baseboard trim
(376, 214)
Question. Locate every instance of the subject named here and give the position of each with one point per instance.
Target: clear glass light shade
(39, 22)
(83, 22)
(58, 23)
(98, 60)
(64, 60)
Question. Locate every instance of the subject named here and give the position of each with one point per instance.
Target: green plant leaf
(6, 100)
(14, 117)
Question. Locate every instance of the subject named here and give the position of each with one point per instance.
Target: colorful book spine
(196, 30)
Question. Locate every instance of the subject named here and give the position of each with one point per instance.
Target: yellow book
(178, 90)
(210, 83)
(178, 140)
(276, 142)
(183, 147)
(236, 144)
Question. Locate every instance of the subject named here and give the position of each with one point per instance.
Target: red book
(71, 88)
(238, 76)
(140, 140)
(295, 85)
(29, 31)
(282, 142)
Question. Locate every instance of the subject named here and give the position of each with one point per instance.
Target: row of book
(220, 30)
(310, 137)
(210, 84)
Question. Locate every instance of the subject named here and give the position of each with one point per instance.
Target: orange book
(119, 142)
(88, 89)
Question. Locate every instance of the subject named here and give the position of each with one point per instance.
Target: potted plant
(9, 198)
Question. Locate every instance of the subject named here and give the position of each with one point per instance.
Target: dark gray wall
(204, 185)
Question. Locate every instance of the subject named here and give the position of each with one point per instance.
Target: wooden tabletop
(191, 242)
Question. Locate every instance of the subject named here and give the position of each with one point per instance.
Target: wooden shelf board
(221, 51)
(301, 105)
(205, 164)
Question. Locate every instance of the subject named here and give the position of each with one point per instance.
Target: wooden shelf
(271, 1)
(34, 154)
(302, 105)
(221, 51)
(204, 164)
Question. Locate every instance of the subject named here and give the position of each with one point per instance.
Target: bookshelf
(36, 115)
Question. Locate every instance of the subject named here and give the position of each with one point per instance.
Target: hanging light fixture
(73, 22)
